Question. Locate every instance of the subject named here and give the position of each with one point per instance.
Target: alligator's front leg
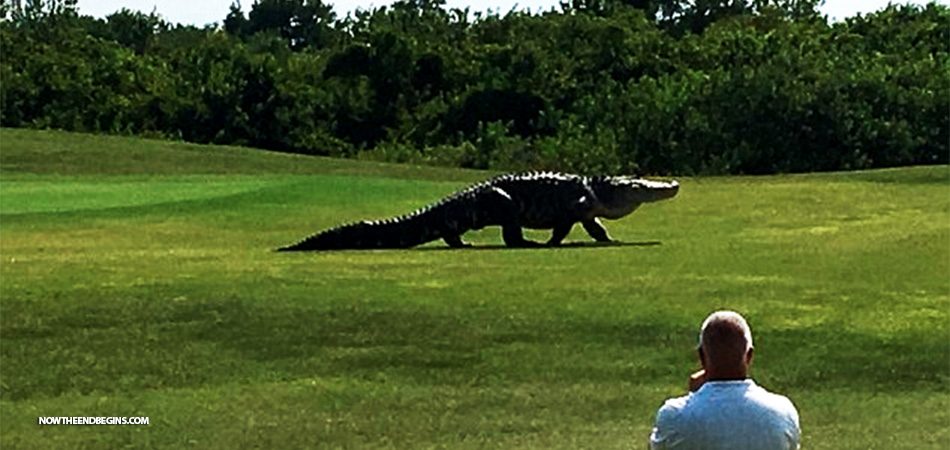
(596, 230)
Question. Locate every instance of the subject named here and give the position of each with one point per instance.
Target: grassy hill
(137, 278)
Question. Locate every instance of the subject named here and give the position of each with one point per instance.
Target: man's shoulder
(671, 410)
(777, 401)
(675, 404)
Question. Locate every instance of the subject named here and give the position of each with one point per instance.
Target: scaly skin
(537, 200)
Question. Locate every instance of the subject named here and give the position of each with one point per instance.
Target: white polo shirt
(733, 415)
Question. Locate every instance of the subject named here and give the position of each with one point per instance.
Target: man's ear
(748, 355)
(702, 356)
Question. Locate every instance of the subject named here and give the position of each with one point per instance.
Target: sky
(202, 12)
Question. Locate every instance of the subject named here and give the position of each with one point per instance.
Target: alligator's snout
(665, 190)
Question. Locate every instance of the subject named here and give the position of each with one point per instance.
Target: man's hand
(696, 380)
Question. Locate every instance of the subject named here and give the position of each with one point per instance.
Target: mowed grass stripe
(25, 195)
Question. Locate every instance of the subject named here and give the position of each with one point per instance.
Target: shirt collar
(725, 384)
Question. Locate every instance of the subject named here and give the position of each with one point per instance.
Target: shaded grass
(152, 291)
(196, 344)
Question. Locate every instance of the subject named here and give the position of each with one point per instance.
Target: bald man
(725, 409)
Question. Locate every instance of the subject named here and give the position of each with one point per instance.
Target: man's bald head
(726, 343)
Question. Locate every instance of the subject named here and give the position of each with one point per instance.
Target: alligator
(537, 200)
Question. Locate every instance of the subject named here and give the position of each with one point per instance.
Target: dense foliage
(657, 86)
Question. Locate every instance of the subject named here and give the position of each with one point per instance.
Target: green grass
(137, 279)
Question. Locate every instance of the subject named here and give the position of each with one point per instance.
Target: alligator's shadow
(564, 245)
(445, 248)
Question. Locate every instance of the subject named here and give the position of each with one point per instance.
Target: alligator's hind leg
(514, 238)
(596, 230)
(504, 212)
(560, 232)
(455, 241)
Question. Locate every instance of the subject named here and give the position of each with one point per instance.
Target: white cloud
(208, 11)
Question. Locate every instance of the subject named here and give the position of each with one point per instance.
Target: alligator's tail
(402, 232)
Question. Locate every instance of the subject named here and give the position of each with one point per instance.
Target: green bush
(597, 87)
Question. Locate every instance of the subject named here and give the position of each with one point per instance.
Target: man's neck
(726, 375)
(727, 379)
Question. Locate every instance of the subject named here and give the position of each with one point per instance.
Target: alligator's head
(619, 196)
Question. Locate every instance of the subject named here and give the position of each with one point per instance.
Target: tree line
(594, 86)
